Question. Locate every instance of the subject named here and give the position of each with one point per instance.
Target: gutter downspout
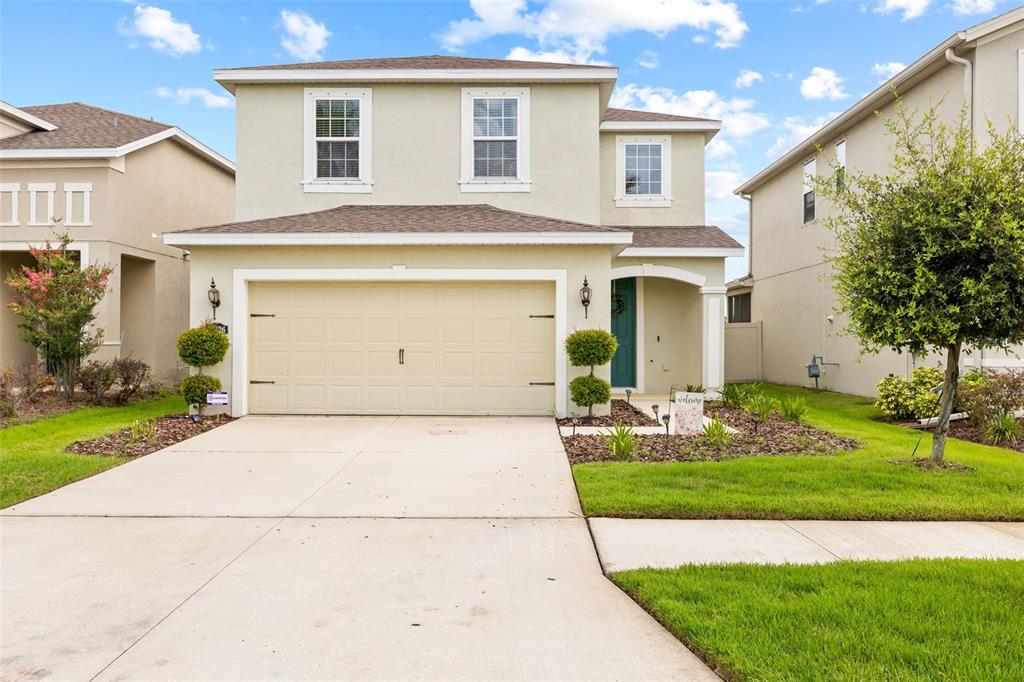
(952, 58)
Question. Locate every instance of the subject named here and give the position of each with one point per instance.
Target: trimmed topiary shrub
(202, 346)
(590, 347)
(195, 387)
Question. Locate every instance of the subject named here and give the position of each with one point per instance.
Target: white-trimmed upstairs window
(40, 202)
(337, 140)
(495, 140)
(810, 171)
(9, 203)
(77, 204)
(643, 170)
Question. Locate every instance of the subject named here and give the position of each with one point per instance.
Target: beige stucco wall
(792, 294)
(578, 262)
(159, 188)
(997, 79)
(13, 350)
(416, 151)
(687, 183)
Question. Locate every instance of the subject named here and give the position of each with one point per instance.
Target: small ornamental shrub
(895, 397)
(142, 430)
(195, 387)
(733, 394)
(590, 347)
(695, 388)
(760, 406)
(793, 409)
(1001, 392)
(716, 434)
(621, 441)
(1003, 430)
(924, 379)
(925, 405)
(588, 390)
(202, 346)
(130, 375)
(96, 378)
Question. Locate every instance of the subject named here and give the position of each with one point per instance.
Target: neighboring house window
(841, 164)
(810, 171)
(495, 140)
(337, 140)
(1020, 91)
(9, 203)
(739, 308)
(77, 208)
(643, 170)
(40, 202)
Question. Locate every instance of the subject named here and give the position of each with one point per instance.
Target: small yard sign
(688, 412)
(217, 398)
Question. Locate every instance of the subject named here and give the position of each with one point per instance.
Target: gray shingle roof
(390, 218)
(611, 114)
(80, 126)
(433, 61)
(698, 236)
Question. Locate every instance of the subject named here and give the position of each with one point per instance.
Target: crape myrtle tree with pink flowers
(56, 301)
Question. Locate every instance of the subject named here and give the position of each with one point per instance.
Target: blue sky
(772, 71)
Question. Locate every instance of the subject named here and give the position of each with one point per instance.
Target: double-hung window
(495, 140)
(643, 170)
(337, 141)
(810, 171)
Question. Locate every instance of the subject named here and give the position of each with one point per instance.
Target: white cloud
(581, 29)
(164, 33)
(822, 84)
(964, 7)
(648, 60)
(718, 148)
(738, 119)
(186, 95)
(747, 78)
(888, 69)
(304, 38)
(795, 129)
(558, 56)
(911, 9)
(720, 184)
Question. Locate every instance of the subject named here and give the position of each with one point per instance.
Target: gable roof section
(882, 95)
(390, 224)
(24, 118)
(84, 131)
(696, 240)
(612, 114)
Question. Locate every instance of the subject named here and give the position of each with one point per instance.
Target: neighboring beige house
(419, 235)
(791, 294)
(114, 182)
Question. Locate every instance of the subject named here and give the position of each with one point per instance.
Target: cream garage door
(401, 348)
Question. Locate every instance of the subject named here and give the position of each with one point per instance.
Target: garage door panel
(470, 348)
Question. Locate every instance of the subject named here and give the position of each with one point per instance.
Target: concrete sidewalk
(624, 544)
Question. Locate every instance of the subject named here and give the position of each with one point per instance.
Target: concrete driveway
(324, 548)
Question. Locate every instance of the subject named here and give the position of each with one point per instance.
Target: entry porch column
(713, 347)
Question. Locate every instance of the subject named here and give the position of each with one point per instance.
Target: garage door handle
(542, 383)
(547, 317)
(261, 315)
(252, 381)
(401, 356)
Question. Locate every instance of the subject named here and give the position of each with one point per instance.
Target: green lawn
(862, 484)
(32, 457)
(949, 619)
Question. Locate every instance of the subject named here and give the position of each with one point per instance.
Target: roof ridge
(103, 109)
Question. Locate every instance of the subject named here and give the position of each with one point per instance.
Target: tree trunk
(946, 401)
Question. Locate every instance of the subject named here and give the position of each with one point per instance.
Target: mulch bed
(964, 429)
(621, 413)
(776, 436)
(929, 464)
(46, 404)
(169, 430)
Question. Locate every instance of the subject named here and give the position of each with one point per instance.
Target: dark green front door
(624, 328)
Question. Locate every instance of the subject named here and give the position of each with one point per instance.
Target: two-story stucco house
(789, 289)
(418, 235)
(114, 182)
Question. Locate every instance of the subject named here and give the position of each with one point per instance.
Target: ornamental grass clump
(760, 406)
(1003, 430)
(200, 347)
(590, 348)
(793, 409)
(715, 433)
(621, 440)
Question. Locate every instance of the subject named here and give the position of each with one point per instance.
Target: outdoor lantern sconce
(214, 295)
(585, 294)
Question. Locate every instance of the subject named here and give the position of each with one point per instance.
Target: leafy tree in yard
(930, 256)
(56, 301)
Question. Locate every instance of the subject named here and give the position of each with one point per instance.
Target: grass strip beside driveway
(32, 457)
(955, 619)
(862, 484)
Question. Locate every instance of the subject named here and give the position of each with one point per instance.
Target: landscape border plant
(199, 347)
(590, 347)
